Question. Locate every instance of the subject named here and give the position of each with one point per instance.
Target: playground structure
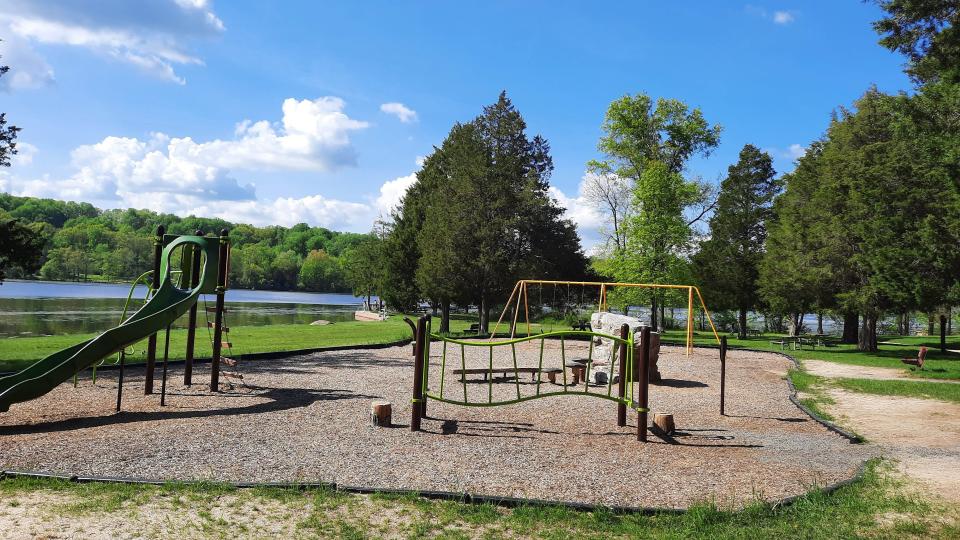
(520, 293)
(203, 269)
(630, 393)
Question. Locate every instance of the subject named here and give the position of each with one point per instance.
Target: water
(47, 308)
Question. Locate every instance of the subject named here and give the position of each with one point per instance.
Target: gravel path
(307, 419)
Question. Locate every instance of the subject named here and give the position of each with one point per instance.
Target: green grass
(891, 350)
(812, 392)
(875, 506)
(17, 353)
(917, 389)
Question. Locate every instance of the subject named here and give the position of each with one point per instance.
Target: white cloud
(391, 193)
(584, 215)
(783, 17)
(183, 176)
(27, 68)
(401, 111)
(796, 151)
(149, 34)
(25, 154)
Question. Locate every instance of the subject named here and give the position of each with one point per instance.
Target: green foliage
(727, 264)
(20, 246)
(8, 134)
(78, 241)
(479, 217)
(927, 33)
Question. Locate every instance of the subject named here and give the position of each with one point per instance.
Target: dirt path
(835, 370)
(922, 434)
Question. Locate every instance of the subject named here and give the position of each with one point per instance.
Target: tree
(647, 145)
(729, 262)
(320, 272)
(20, 246)
(363, 268)
(927, 32)
(8, 134)
(609, 194)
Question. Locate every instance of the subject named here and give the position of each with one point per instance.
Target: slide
(167, 305)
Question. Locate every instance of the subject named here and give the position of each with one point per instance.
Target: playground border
(464, 497)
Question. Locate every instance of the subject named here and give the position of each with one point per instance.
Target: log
(381, 413)
(664, 423)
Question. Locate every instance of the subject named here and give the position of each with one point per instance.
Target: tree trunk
(943, 334)
(484, 315)
(796, 319)
(930, 324)
(742, 323)
(653, 312)
(663, 317)
(445, 316)
(850, 331)
(626, 310)
(868, 334)
(820, 322)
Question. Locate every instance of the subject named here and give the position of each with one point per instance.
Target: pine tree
(728, 264)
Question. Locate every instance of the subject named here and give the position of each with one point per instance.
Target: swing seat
(918, 361)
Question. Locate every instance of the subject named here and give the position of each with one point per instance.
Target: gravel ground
(306, 418)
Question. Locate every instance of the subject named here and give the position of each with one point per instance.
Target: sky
(320, 112)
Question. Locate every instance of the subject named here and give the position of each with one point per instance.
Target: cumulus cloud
(27, 68)
(588, 219)
(401, 111)
(183, 176)
(781, 17)
(149, 34)
(392, 192)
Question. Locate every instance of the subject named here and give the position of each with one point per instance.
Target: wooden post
(425, 363)
(218, 316)
(123, 357)
(643, 389)
(152, 340)
(723, 372)
(192, 317)
(163, 383)
(943, 334)
(622, 388)
(417, 375)
(665, 423)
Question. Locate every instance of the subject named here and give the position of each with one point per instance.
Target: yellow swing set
(520, 290)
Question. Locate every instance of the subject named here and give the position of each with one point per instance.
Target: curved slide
(166, 306)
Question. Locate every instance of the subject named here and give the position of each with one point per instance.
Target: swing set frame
(519, 294)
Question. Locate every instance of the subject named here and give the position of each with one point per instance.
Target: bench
(504, 370)
(580, 325)
(918, 361)
(782, 342)
(474, 329)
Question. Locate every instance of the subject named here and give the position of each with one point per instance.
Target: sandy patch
(835, 370)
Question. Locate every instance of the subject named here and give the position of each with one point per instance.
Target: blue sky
(318, 111)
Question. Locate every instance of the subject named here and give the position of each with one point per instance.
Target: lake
(51, 307)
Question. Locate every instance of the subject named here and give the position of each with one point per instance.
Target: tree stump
(381, 413)
(664, 423)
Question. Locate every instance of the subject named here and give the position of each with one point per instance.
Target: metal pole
(152, 340)
(163, 383)
(723, 372)
(622, 388)
(417, 375)
(192, 317)
(123, 357)
(218, 318)
(643, 389)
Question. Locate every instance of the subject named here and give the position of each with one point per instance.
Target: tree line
(78, 242)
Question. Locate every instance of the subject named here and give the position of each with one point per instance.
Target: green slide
(167, 304)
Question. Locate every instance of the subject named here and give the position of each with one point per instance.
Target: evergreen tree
(927, 32)
(728, 263)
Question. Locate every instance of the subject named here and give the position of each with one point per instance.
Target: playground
(306, 419)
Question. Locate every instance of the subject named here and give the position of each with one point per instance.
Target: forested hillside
(81, 242)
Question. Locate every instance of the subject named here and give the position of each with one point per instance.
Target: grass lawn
(918, 389)
(17, 353)
(875, 506)
(892, 349)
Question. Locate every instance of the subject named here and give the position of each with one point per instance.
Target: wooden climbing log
(381, 413)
